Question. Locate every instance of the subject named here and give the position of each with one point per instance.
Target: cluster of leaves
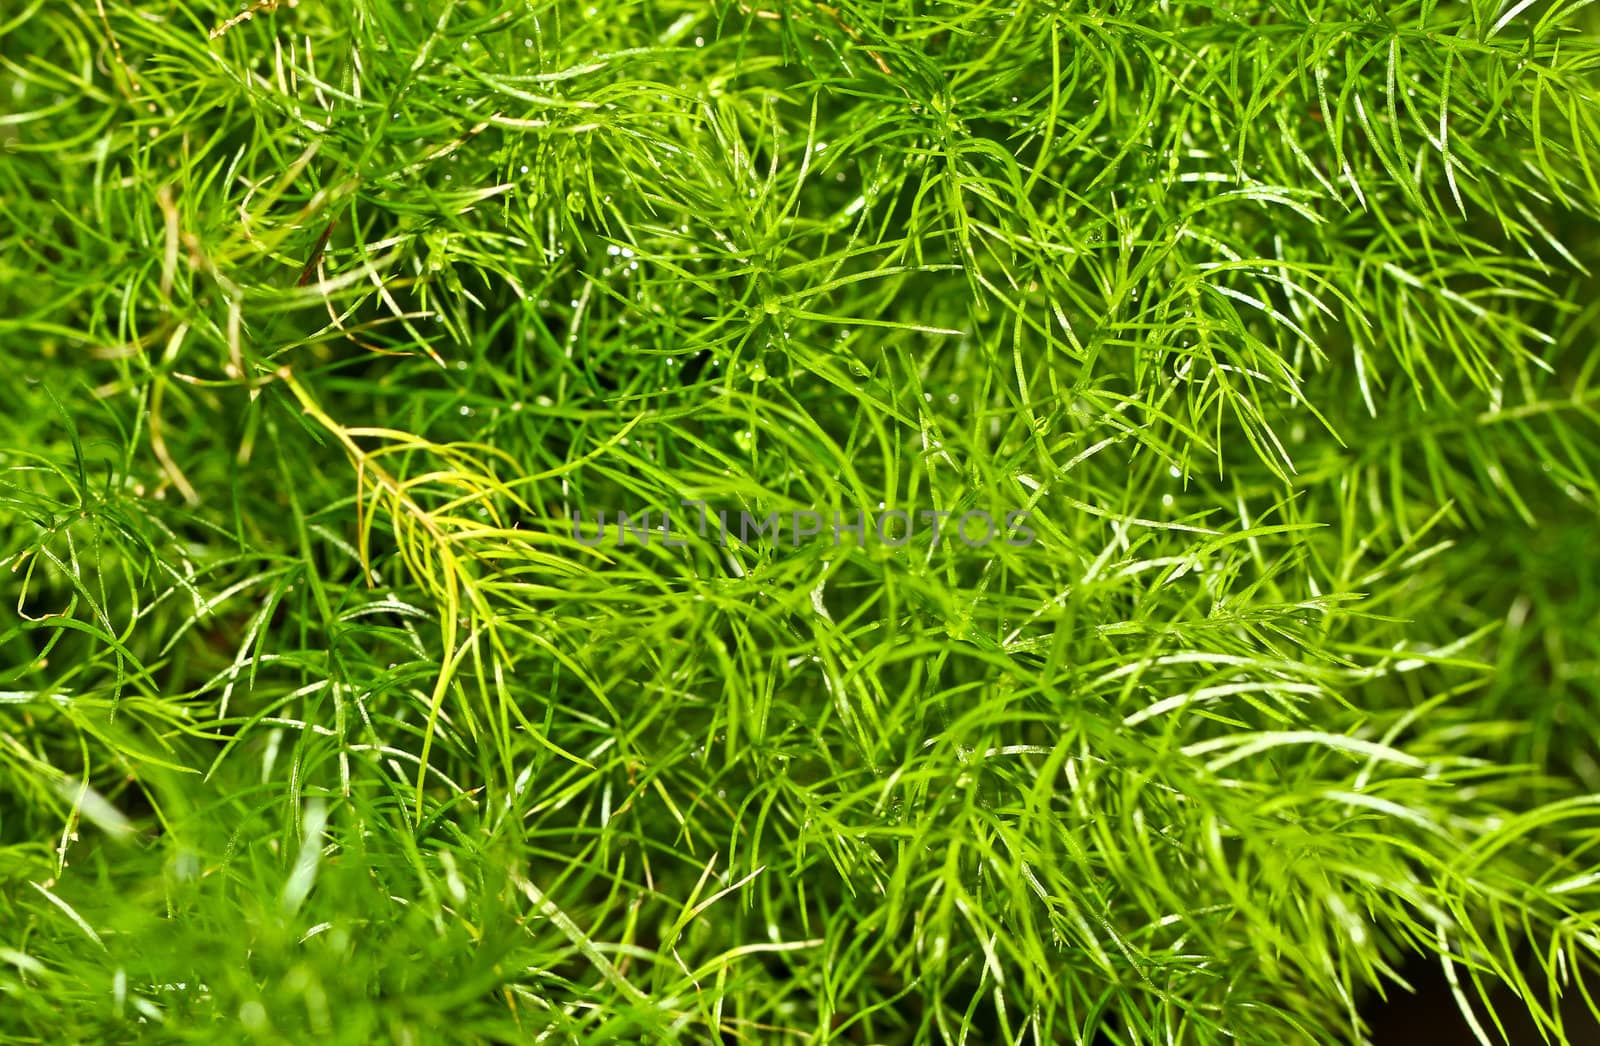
(323, 324)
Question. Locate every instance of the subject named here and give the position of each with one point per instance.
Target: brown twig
(833, 12)
(260, 7)
(116, 46)
(316, 255)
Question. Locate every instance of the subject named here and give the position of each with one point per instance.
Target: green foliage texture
(321, 322)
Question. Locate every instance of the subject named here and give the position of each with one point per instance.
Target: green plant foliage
(323, 324)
